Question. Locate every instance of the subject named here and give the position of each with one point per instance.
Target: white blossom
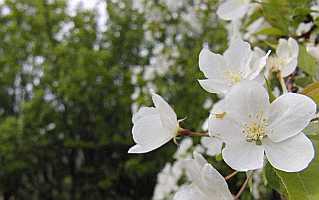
(286, 59)
(153, 126)
(251, 127)
(315, 10)
(213, 145)
(233, 9)
(313, 50)
(166, 183)
(183, 147)
(238, 63)
(251, 30)
(304, 28)
(207, 182)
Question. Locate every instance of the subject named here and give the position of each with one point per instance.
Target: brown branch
(187, 132)
(242, 188)
(231, 175)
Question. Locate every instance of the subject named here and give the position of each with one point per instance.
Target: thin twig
(230, 175)
(187, 132)
(242, 189)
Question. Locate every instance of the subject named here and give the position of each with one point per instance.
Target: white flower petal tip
(292, 155)
(238, 63)
(254, 127)
(233, 9)
(207, 182)
(213, 145)
(153, 126)
(289, 114)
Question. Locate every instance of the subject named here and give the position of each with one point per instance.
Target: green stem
(282, 83)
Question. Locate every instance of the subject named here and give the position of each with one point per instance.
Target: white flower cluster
(245, 126)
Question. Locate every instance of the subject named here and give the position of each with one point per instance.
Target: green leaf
(303, 81)
(272, 97)
(312, 91)
(270, 31)
(306, 62)
(273, 180)
(312, 128)
(304, 184)
(277, 14)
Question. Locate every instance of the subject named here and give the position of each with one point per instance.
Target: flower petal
(211, 64)
(244, 156)
(288, 51)
(189, 192)
(144, 148)
(232, 9)
(238, 56)
(283, 49)
(143, 112)
(167, 114)
(245, 100)
(225, 129)
(287, 48)
(294, 48)
(149, 133)
(289, 68)
(214, 184)
(213, 145)
(214, 85)
(257, 63)
(289, 114)
(221, 128)
(291, 155)
(193, 167)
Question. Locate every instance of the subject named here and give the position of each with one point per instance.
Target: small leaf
(273, 180)
(277, 14)
(312, 91)
(306, 62)
(312, 128)
(270, 31)
(303, 81)
(272, 97)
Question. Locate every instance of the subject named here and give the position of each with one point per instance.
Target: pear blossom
(252, 127)
(153, 126)
(167, 181)
(212, 145)
(183, 147)
(315, 9)
(207, 182)
(238, 63)
(233, 9)
(286, 59)
(304, 28)
(313, 50)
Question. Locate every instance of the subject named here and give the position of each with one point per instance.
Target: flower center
(255, 130)
(233, 77)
